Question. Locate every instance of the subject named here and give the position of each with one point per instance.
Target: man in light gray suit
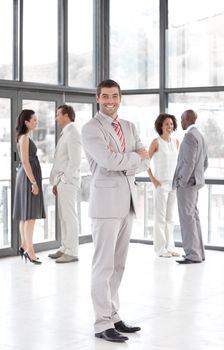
(188, 179)
(65, 178)
(114, 152)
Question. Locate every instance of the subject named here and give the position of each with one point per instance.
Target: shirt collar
(190, 127)
(66, 127)
(108, 119)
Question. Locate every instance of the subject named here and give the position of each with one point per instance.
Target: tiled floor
(48, 307)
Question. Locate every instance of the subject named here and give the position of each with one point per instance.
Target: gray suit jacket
(192, 161)
(113, 173)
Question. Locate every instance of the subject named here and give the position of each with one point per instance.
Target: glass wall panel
(84, 112)
(44, 138)
(6, 39)
(144, 222)
(216, 217)
(195, 43)
(142, 110)
(80, 43)
(40, 33)
(210, 109)
(5, 173)
(134, 43)
(209, 204)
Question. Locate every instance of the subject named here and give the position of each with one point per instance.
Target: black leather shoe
(184, 256)
(187, 261)
(111, 335)
(122, 327)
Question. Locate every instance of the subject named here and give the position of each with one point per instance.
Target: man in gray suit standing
(188, 179)
(115, 153)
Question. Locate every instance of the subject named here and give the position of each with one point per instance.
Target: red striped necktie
(117, 128)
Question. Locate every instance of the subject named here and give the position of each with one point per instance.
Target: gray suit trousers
(111, 240)
(187, 199)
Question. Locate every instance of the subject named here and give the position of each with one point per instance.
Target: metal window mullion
(209, 213)
(163, 19)
(15, 42)
(63, 42)
(105, 39)
(21, 18)
(101, 40)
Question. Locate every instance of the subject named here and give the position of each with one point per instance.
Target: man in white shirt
(65, 178)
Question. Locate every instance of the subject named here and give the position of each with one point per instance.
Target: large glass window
(142, 110)
(80, 43)
(195, 43)
(194, 57)
(5, 174)
(134, 43)
(6, 39)
(44, 138)
(40, 44)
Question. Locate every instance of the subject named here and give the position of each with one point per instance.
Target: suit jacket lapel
(58, 145)
(62, 136)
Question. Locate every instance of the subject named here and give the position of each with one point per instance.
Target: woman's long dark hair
(21, 128)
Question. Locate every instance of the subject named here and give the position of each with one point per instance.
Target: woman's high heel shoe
(21, 252)
(26, 256)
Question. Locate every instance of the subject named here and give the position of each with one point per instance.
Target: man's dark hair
(108, 83)
(66, 109)
(160, 119)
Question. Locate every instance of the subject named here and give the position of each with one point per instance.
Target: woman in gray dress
(28, 200)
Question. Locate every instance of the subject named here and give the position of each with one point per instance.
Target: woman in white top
(164, 151)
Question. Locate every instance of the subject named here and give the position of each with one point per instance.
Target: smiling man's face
(109, 101)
